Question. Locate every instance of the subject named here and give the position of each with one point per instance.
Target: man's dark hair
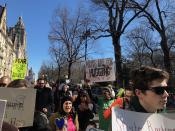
(143, 76)
(39, 79)
(18, 83)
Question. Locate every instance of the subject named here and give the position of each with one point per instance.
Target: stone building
(12, 42)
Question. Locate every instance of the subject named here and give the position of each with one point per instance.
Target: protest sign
(100, 70)
(123, 120)
(20, 106)
(2, 111)
(19, 69)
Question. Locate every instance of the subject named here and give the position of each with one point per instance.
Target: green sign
(19, 69)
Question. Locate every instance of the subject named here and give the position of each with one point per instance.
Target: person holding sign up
(121, 102)
(150, 89)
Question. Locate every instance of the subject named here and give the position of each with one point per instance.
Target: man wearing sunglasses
(150, 89)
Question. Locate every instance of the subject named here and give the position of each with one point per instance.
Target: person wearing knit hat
(66, 119)
(104, 103)
(120, 102)
(110, 90)
(67, 99)
(107, 89)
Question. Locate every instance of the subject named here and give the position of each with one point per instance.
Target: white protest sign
(100, 70)
(2, 111)
(123, 120)
(20, 106)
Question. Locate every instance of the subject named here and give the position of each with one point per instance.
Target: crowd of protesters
(58, 108)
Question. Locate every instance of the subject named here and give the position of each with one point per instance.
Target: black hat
(66, 98)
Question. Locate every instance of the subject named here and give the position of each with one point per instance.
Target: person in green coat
(104, 102)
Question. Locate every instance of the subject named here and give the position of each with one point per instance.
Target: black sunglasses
(159, 90)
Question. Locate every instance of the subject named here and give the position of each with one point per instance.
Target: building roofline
(2, 8)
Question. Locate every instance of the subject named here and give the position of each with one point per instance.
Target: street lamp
(86, 34)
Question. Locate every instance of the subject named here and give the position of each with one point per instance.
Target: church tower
(12, 43)
(18, 36)
(3, 14)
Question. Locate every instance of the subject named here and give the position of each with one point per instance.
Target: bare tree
(120, 15)
(68, 30)
(58, 55)
(157, 16)
(142, 47)
(47, 69)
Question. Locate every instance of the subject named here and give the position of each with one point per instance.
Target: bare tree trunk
(118, 61)
(59, 74)
(160, 27)
(166, 52)
(69, 69)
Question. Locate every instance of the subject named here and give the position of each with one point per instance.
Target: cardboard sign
(100, 70)
(19, 69)
(123, 120)
(2, 111)
(20, 106)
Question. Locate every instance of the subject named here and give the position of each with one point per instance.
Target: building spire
(20, 23)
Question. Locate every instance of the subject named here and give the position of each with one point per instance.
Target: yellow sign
(19, 69)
